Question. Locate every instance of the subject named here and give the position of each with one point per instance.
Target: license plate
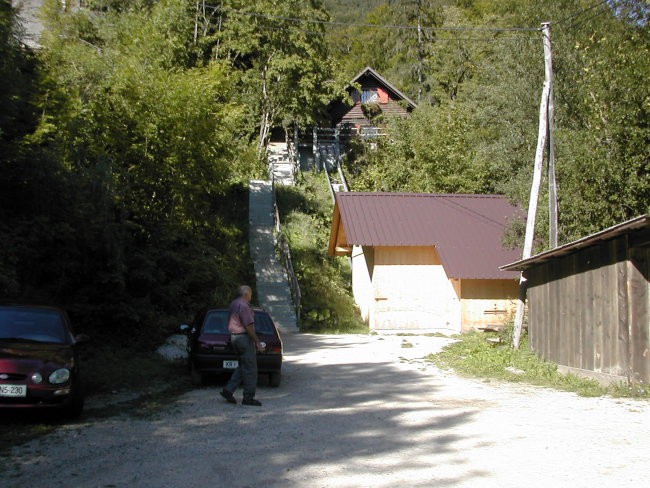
(230, 364)
(13, 390)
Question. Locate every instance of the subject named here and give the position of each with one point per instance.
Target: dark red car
(38, 360)
(210, 352)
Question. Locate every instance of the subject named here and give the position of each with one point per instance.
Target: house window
(369, 95)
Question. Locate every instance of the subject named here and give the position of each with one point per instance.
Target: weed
(473, 355)
(621, 390)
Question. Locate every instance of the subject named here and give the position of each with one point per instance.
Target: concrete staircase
(280, 164)
(272, 286)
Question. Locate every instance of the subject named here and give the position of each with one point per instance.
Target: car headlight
(60, 376)
(37, 378)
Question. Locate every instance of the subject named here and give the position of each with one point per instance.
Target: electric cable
(380, 26)
(578, 14)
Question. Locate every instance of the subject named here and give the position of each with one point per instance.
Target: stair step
(272, 286)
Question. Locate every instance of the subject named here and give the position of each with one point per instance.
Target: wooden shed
(426, 261)
(588, 303)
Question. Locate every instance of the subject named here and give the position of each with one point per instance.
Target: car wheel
(274, 379)
(76, 407)
(197, 376)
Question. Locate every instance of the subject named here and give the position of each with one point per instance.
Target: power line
(434, 40)
(578, 14)
(378, 26)
(584, 21)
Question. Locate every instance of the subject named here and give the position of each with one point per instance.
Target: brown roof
(467, 230)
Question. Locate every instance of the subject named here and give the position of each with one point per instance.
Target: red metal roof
(467, 230)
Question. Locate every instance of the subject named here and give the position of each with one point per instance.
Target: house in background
(374, 99)
(589, 301)
(427, 261)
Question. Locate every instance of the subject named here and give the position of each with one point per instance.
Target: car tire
(274, 379)
(197, 376)
(76, 407)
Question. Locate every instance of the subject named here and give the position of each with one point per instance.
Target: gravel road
(354, 411)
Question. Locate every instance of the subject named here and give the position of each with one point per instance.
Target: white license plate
(230, 364)
(13, 391)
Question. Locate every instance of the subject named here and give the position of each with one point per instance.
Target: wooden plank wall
(639, 317)
(589, 310)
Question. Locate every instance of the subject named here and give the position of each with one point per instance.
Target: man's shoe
(251, 401)
(228, 396)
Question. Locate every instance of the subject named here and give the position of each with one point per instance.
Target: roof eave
(610, 232)
(368, 69)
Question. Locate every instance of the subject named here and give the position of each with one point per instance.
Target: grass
(473, 355)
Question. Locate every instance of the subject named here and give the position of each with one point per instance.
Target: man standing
(241, 325)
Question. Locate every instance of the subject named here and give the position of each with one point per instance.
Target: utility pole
(552, 185)
(420, 50)
(544, 135)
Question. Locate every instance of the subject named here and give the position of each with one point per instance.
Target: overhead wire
(370, 25)
(436, 39)
(581, 12)
(575, 25)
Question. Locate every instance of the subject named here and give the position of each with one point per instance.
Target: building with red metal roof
(427, 261)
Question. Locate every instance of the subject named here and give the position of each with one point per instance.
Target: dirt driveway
(354, 411)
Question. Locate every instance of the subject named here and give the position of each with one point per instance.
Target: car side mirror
(81, 338)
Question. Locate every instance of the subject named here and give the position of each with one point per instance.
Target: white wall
(408, 289)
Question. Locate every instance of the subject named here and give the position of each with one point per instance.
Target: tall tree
(490, 82)
(280, 53)
(123, 206)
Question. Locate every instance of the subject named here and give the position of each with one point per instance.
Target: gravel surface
(353, 411)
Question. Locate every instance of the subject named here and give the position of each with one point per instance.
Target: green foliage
(327, 306)
(425, 153)
(476, 127)
(283, 67)
(473, 355)
(17, 74)
(123, 201)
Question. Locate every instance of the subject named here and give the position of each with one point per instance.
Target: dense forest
(127, 138)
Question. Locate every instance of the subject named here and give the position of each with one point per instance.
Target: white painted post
(532, 210)
(552, 184)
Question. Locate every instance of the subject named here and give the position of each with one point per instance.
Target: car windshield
(216, 322)
(32, 325)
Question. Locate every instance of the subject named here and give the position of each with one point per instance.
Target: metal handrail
(285, 256)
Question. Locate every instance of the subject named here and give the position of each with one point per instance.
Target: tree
(490, 82)
(281, 57)
(125, 207)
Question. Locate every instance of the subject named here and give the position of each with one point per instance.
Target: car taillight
(274, 350)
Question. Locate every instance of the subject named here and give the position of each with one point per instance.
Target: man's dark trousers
(246, 371)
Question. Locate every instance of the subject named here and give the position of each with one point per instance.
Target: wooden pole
(552, 184)
(532, 209)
